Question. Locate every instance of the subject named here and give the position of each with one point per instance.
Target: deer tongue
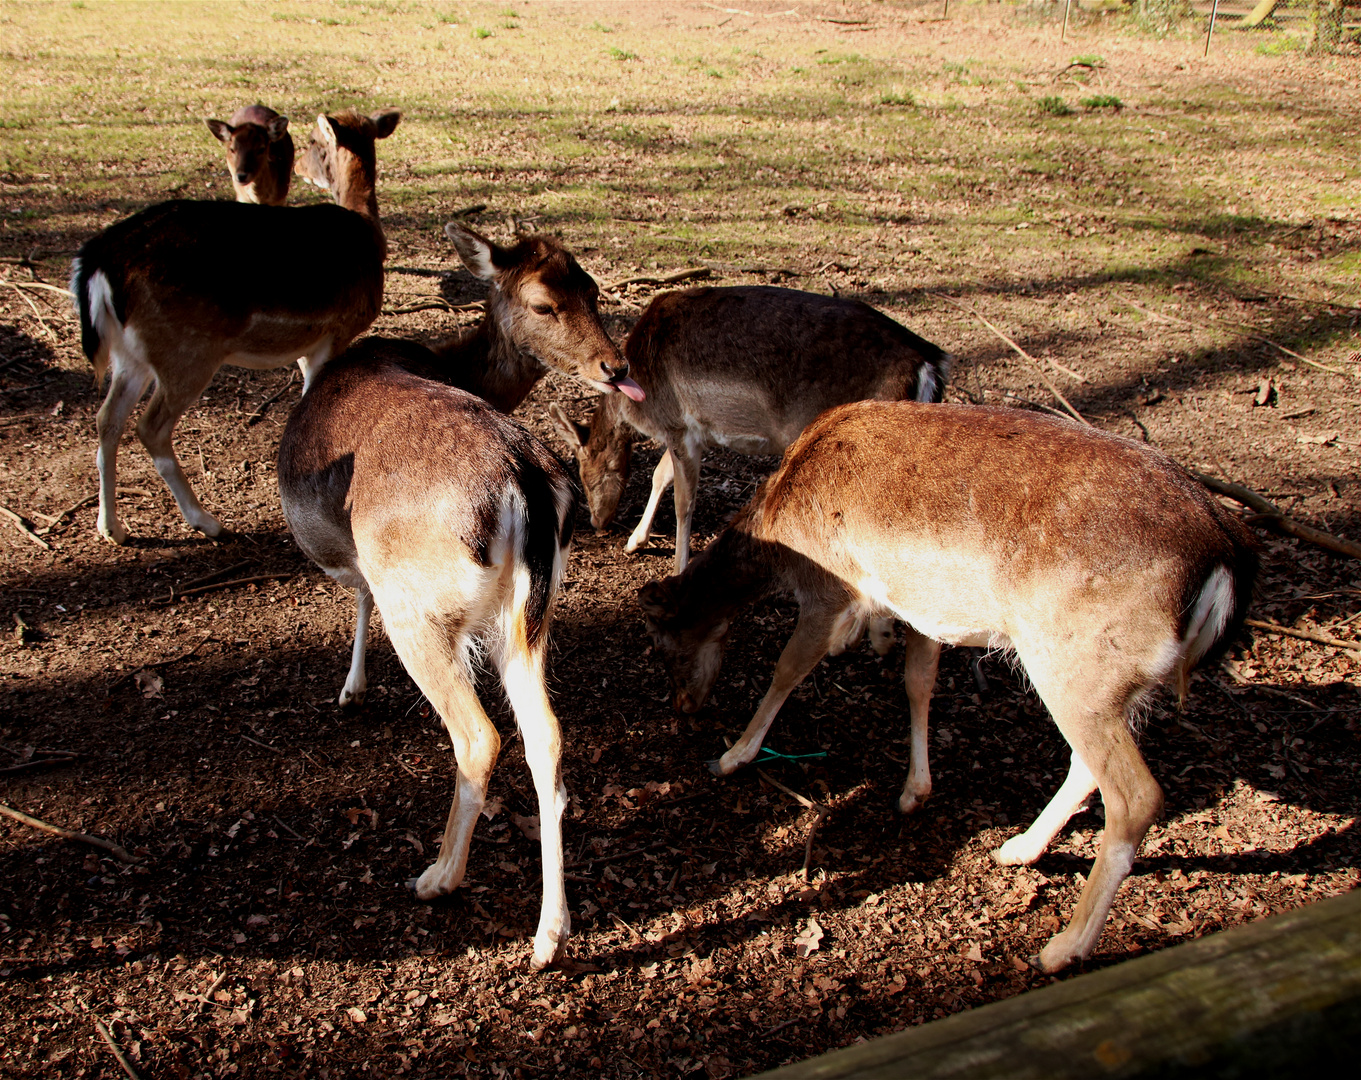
(628, 388)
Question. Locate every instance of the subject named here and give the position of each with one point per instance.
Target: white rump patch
(1210, 614)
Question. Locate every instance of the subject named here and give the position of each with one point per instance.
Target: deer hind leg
(1026, 848)
(662, 476)
(521, 670)
(923, 660)
(425, 651)
(128, 381)
(357, 682)
(1102, 741)
(686, 486)
(156, 429)
(816, 629)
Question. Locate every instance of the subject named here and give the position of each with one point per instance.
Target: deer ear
(222, 131)
(477, 252)
(277, 128)
(656, 599)
(325, 131)
(575, 434)
(385, 120)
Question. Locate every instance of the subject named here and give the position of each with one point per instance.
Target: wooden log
(1280, 997)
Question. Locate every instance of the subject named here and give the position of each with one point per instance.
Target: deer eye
(541, 309)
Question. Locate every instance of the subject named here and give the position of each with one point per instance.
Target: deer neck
(485, 362)
(354, 190)
(732, 573)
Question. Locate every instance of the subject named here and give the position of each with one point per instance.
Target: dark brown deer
(541, 311)
(456, 523)
(259, 154)
(169, 295)
(746, 368)
(1102, 564)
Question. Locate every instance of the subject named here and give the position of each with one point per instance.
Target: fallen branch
(159, 663)
(36, 313)
(1068, 405)
(52, 522)
(1353, 647)
(258, 414)
(1273, 513)
(118, 852)
(41, 285)
(665, 279)
(257, 742)
(122, 1061)
(427, 304)
(237, 581)
(22, 526)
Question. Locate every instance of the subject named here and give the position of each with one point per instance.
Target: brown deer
(456, 523)
(259, 154)
(542, 310)
(1099, 562)
(169, 295)
(746, 368)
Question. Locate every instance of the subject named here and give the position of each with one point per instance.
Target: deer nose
(242, 177)
(685, 701)
(612, 373)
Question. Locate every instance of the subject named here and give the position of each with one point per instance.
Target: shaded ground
(275, 833)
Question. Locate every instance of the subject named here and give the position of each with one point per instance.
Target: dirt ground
(266, 926)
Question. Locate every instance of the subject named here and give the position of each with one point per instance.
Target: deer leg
(1025, 848)
(687, 483)
(127, 383)
(522, 676)
(801, 654)
(357, 683)
(1101, 739)
(156, 429)
(923, 659)
(662, 476)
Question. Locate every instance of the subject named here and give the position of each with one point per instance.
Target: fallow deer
(541, 311)
(746, 368)
(259, 154)
(1102, 564)
(169, 295)
(455, 522)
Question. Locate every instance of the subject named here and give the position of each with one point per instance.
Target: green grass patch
(1102, 101)
(1053, 105)
(622, 54)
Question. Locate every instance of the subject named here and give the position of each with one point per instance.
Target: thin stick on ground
(1273, 513)
(1058, 394)
(22, 526)
(36, 313)
(1353, 647)
(122, 1061)
(238, 581)
(664, 279)
(259, 413)
(803, 800)
(117, 851)
(160, 663)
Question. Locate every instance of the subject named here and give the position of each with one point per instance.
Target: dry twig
(1273, 513)
(1353, 647)
(122, 1061)
(1068, 405)
(664, 279)
(118, 852)
(258, 414)
(22, 526)
(803, 800)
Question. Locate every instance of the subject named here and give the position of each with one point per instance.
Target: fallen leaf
(356, 1014)
(527, 825)
(974, 953)
(808, 939)
(491, 808)
(149, 683)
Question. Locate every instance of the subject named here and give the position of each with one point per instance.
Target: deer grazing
(259, 154)
(747, 368)
(169, 295)
(456, 523)
(1103, 565)
(541, 311)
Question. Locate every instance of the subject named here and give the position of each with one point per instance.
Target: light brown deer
(456, 523)
(259, 154)
(746, 368)
(542, 310)
(1097, 560)
(169, 295)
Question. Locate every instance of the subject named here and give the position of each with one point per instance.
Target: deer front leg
(662, 476)
(687, 484)
(923, 660)
(801, 654)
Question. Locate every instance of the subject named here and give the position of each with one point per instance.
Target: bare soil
(275, 833)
